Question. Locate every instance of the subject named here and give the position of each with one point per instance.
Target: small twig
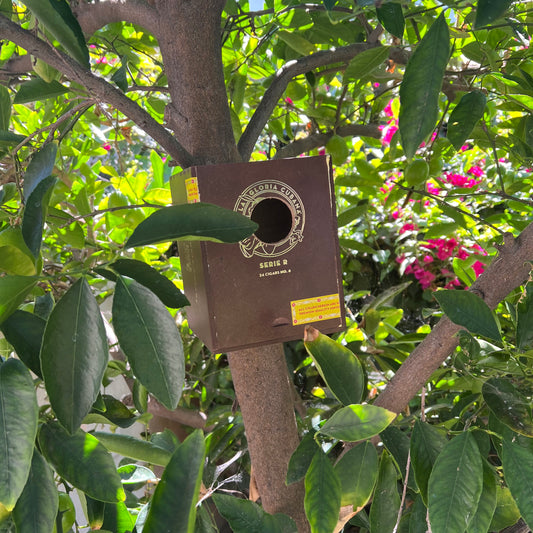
(339, 106)
(423, 404)
(404, 492)
(495, 155)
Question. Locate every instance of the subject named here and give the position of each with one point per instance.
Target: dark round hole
(274, 218)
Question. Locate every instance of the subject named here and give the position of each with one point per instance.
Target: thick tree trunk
(265, 396)
(189, 39)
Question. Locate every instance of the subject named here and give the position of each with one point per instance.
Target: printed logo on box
(315, 309)
(193, 192)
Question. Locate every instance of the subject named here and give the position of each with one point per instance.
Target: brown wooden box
(266, 288)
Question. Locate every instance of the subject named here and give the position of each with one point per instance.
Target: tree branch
(93, 16)
(320, 139)
(97, 87)
(281, 79)
(508, 271)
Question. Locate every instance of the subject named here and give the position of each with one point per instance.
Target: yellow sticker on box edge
(193, 192)
(315, 309)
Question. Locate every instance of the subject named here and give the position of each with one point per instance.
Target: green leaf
(339, 367)
(296, 42)
(390, 15)
(421, 85)
(464, 117)
(426, 444)
(386, 502)
(357, 471)
(364, 63)
(455, 485)
(506, 513)
(120, 76)
(15, 256)
(117, 518)
(13, 291)
(357, 422)
(398, 443)
(24, 331)
(524, 320)
(36, 508)
(301, 458)
(205, 222)
(489, 10)
(56, 16)
(74, 355)
(322, 500)
(8, 138)
(183, 476)
(140, 450)
(245, 516)
(150, 339)
(5, 108)
(508, 405)
(161, 286)
(82, 461)
(132, 474)
(40, 167)
(35, 214)
(480, 522)
(467, 309)
(18, 427)
(518, 472)
(38, 90)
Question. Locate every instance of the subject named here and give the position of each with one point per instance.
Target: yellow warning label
(193, 193)
(314, 309)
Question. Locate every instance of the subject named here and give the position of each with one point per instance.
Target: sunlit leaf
(339, 367)
(357, 422)
(38, 89)
(508, 405)
(421, 85)
(15, 257)
(18, 428)
(82, 461)
(36, 509)
(506, 513)
(13, 290)
(322, 500)
(192, 222)
(56, 16)
(296, 41)
(365, 63)
(390, 15)
(455, 485)
(150, 339)
(74, 355)
(386, 502)
(132, 474)
(183, 476)
(467, 309)
(357, 471)
(5, 108)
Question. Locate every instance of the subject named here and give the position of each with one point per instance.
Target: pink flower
(396, 214)
(102, 59)
(388, 109)
(322, 151)
(106, 147)
(389, 133)
(425, 279)
(458, 180)
(464, 148)
(376, 85)
(432, 188)
(478, 267)
(428, 259)
(92, 46)
(453, 283)
(288, 101)
(461, 254)
(502, 160)
(407, 227)
(476, 171)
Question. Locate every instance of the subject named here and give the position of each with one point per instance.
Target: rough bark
(509, 270)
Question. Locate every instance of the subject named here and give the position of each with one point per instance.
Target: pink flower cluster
(458, 180)
(392, 125)
(426, 270)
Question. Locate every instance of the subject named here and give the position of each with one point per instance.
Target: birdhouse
(268, 287)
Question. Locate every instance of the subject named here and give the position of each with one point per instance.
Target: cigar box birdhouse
(269, 286)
